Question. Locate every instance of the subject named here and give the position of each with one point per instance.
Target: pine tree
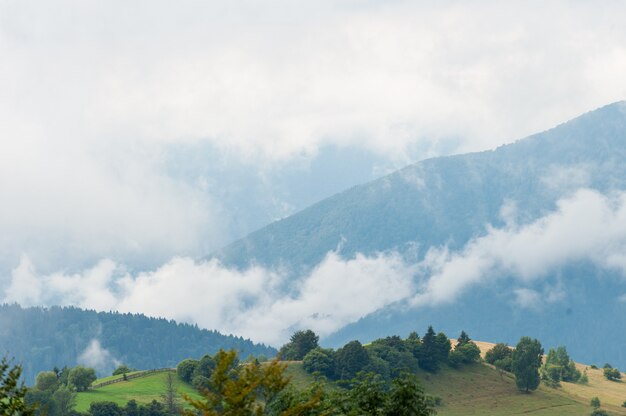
(463, 339)
(427, 357)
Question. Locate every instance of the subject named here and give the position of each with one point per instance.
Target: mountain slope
(41, 339)
(450, 201)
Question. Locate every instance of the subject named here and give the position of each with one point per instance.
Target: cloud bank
(253, 303)
(267, 306)
(95, 96)
(586, 226)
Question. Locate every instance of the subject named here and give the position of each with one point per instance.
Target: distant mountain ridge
(42, 338)
(451, 200)
(446, 199)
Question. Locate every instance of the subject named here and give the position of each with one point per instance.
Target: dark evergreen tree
(462, 339)
(428, 351)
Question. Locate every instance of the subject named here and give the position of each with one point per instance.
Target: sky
(136, 136)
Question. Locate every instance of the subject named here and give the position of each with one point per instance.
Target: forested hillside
(42, 338)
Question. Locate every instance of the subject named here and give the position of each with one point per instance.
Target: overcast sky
(137, 131)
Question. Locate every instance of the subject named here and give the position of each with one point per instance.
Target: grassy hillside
(472, 390)
(142, 389)
(611, 394)
(480, 390)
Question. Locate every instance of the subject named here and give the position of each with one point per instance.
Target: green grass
(142, 389)
(119, 376)
(300, 379)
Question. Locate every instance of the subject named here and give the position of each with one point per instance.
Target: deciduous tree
(81, 377)
(525, 362)
(300, 344)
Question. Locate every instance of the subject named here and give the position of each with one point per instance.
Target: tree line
(41, 338)
(387, 357)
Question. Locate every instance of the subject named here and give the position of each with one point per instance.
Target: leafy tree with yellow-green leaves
(242, 390)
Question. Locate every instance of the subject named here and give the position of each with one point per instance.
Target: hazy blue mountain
(42, 338)
(450, 200)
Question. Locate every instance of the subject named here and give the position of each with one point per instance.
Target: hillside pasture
(142, 389)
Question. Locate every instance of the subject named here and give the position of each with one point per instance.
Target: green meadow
(142, 389)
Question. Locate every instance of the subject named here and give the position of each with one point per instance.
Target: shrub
(200, 382)
(504, 364)
(122, 369)
(186, 368)
(498, 352)
(595, 402)
(612, 374)
(105, 409)
(455, 359)
(433, 401)
(470, 352)
(320, 360)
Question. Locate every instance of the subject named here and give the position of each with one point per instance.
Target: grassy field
(117, 377)
(142, 389)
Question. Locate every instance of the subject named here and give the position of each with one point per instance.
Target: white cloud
(586, 226)
(98, 358)
(94, 93)
(268, 305)
(282, 79)
(527, 298)
(252, 303)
